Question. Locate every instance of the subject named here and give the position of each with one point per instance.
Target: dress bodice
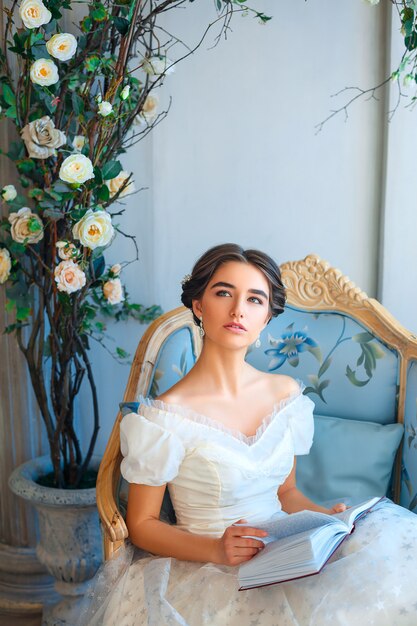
(215, 475)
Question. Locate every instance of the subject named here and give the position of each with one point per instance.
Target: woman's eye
(256, 300)
(222, 293)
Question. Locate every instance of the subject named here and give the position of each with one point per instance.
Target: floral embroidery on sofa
(293, 343)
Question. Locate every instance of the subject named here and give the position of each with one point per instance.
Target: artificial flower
(8, 193)
(113, 291)
(105, 108)
(157, 65)
(117, 183)
(69, 277)
(66, 250)
(149, 110)
(34, 13)
(44, 72)
(76, 169)
(42, 138)
(78, 142)
(26, 226)
(116, 269)
(5, 265)
(94, 229)
(124, 94)
(62, 46)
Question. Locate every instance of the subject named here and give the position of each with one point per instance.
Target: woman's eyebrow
(258, 292)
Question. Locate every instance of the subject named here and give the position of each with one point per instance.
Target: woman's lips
(235, 328)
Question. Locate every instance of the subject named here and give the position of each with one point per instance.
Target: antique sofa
(357, 363)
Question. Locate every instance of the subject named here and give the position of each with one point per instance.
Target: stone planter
(70, 544)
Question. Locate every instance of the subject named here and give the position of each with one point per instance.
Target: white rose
(9, 193)
(157, 65)
(116, 269)
(26, 226)
(69, 277)
(62, 46)
(125, 92)
(78, 142)
(149, 110)
(44, 72)
(113, 291)
(116, 183)
(42, 138)
(373, 2)
(105, 108)
(66, 250)
(34, 13)
(94, 229)
(5, 265)
(76, 169)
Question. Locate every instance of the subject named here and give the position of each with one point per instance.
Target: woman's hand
(236, 545)
(337, 508)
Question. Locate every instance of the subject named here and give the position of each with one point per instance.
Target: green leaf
(11, 113)
(122, 25)
(77, 104)
(8, 95)
(103, 193)
(25, 166)
(111, 170)
(98, 176)
(99, 13)
(122, 354)
(92, 63)
(363, 337)
(86, 24)
(99, 265)
(22, 313)
(351, 374)
(16, 150)
(411, 41)
(325, 366)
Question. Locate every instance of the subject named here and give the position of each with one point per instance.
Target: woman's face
(235, 305)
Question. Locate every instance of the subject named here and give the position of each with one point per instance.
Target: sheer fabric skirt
(371, 579)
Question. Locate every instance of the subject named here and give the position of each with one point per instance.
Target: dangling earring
(201, 328)
(258, 343)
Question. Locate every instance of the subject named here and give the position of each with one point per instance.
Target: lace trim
(209, 422)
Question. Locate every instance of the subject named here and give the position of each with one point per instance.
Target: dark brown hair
(194, 286)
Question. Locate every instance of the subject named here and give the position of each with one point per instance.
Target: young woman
(224, 439)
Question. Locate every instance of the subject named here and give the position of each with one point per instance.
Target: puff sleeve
(302, 425)
(152, 455)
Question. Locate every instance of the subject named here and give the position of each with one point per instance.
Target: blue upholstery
(321, 349)
(350, 460)
(409, 459)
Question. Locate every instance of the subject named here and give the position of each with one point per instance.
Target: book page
(285, 525)
(350, 515)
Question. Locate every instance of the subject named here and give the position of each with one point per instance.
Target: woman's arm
(292, 500)
(149, 533)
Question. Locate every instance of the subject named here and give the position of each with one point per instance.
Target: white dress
(217, 476)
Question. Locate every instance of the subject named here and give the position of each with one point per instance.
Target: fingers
(339, 508)
(238, 530)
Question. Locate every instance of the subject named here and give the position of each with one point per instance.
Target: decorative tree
(77, 104)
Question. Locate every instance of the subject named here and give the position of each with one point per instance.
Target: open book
(299, 544)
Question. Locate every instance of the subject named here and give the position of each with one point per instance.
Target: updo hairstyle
(194, 285)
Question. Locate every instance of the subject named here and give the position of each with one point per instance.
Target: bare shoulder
(177, 394)
(283, 386)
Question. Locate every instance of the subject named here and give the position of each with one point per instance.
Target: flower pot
(70, 544)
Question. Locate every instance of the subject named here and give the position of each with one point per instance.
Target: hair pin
(186, 278)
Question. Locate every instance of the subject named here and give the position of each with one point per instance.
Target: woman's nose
(236, 310)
